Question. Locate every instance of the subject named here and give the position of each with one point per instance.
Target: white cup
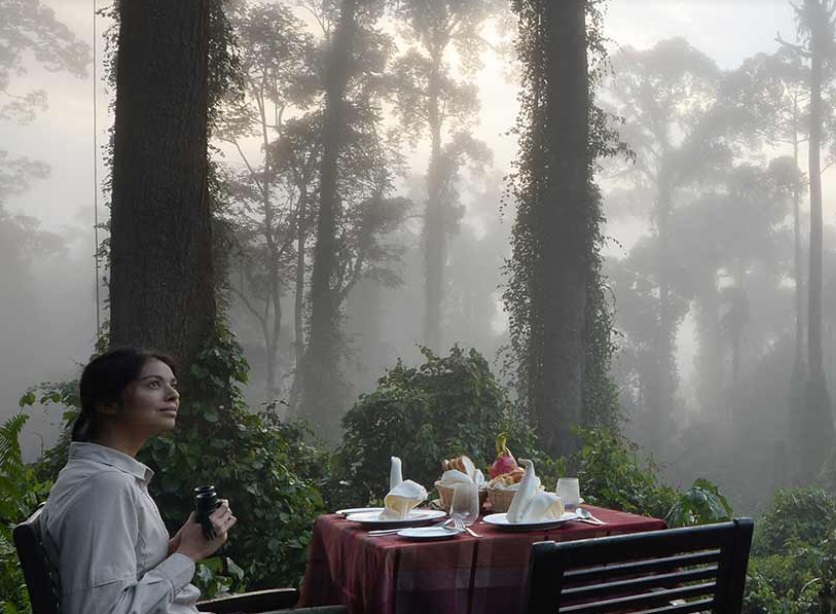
(569, 492)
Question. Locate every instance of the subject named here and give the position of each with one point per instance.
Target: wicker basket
(500, 499)
(445, 493)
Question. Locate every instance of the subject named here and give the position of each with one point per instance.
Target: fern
(10, 455)
(20, 491)
(14, 473)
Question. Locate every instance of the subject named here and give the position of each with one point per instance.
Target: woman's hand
(194, 544)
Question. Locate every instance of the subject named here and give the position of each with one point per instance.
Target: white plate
(358, 510)
(416, 517)
(430, 533)
(501, 522)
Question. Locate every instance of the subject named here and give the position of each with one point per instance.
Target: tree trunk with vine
(568, 218)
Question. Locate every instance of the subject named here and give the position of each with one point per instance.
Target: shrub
(613, 475)
(445, 407)
(799, 516)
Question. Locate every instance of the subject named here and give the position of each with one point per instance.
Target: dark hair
(103, 382)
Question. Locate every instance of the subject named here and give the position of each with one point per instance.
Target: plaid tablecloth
(465, 575)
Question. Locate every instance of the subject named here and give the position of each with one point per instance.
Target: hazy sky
(727, 30)
(63, 136)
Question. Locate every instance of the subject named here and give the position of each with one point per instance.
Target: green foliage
(443, 408)
(20, 492)
(614, 476)
(803, 515)
(701, 504)
(792, 569)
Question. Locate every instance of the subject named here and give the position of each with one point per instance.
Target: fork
(461, 526)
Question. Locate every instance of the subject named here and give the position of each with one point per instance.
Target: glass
(569, 491)
(465, 504)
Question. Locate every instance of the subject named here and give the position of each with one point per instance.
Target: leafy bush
(792, 569)
(804, 515)
(613, 475)
(443, 408)
(20, 492)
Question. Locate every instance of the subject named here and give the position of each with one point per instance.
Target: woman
(102, 530)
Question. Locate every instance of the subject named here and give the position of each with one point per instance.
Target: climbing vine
(526, 189)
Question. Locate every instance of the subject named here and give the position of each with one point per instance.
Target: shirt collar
(108, 456)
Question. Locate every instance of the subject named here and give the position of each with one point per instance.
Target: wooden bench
(673, 571)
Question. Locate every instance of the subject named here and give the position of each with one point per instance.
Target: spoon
(587, 517)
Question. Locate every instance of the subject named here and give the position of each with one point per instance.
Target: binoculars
(205, 502)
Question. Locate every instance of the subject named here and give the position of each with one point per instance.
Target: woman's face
(150, 402)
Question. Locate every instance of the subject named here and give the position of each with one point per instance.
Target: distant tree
(664, 95)
(162, 285)
(431, 100)
(29, 26)
(270, 196)
(356, 171)
(771, 96)
(817, 31)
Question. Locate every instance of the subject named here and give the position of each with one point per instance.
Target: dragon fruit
(505, 461)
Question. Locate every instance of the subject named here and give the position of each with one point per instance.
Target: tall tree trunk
(434, 219)
(569, 219)
(818, 434)
(162, 274)
(814, 340)
(710, 372)
(321, 380)
(798, 376)
(797, 255)
(299, 301)
(661, 402)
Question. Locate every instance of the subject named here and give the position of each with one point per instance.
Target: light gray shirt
(104, 534)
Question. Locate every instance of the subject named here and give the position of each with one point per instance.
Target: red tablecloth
(465, 575)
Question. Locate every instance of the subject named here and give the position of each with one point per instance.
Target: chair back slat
(641, 583)
(632, 569)
(701, 605)
(636, 601)
(41, 581)
(674, 571)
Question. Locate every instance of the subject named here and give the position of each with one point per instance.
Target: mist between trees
(722, 304)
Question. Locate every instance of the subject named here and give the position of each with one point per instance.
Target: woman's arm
(98, 543)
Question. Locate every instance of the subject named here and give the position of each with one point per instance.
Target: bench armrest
(255, 601)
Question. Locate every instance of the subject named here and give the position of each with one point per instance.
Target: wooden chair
(43, 583)
(673, 571)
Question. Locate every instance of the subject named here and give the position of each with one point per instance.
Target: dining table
(389, 574)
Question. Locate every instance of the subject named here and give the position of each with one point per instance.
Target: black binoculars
(205, 502)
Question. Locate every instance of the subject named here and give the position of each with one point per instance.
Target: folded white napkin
(451, 477)
(395, 475)
(530, 504)
(404, 495)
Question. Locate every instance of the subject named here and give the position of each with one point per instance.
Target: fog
(49, 309)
